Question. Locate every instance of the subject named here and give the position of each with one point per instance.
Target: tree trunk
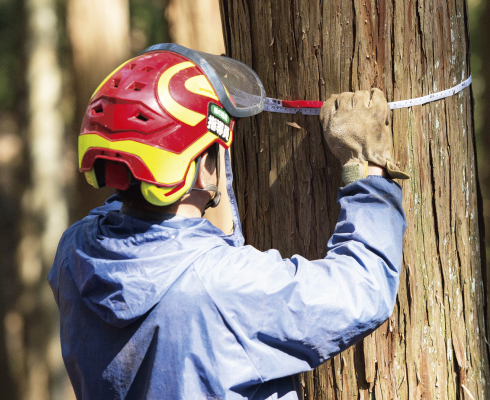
(196, 24)
(12, 184)
(100, 40)
(32, 325)
(434, 344)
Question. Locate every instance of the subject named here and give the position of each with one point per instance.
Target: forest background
(53, 53)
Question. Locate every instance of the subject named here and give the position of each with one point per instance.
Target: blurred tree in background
(99, 37)
(196, 24)
(53, 55)
(12, 178)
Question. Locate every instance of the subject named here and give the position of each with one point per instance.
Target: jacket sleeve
(290, 315)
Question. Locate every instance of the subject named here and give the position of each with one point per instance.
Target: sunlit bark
(434, 346)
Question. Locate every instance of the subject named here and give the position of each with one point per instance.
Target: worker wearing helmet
(157, 303)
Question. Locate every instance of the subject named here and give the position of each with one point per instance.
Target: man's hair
(132, 196)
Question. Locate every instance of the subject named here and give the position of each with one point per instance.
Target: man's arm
(375, 170)
(291, 315)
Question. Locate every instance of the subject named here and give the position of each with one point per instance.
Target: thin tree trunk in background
(12, 182)
(196, 24)
(34, 326)
(434, 345)
(99, 33)
(13, 179)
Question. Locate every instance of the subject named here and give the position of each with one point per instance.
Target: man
(157, 303)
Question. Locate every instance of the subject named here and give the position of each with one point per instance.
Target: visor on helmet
(237, 86)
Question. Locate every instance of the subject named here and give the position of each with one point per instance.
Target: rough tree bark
(434, 345)
(99, 35)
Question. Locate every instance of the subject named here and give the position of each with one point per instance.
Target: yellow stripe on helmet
(168, 168)
(199, 85)
(183, 114)
(158, 195)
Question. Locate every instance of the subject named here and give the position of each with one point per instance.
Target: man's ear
(203, 176)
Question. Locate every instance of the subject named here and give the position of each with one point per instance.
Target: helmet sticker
(218, 122)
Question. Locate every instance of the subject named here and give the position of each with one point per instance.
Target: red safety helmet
(151, 119)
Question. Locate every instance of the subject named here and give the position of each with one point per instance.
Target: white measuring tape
(308, 107)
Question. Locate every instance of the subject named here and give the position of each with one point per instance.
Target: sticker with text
(219, 122)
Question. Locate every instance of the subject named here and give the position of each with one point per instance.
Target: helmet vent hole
(131, 66)
(147, 69)
(98, 109)
(115, 83)
(142, 117)
(136, 86)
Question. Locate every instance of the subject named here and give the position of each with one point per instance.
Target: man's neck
(187, 210)
(189, 207)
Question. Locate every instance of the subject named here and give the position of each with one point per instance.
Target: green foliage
(148, 23)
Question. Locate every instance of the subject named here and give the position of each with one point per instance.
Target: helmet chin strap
(209, 188)
(215, 199)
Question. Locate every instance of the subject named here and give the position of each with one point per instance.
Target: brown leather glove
(357, 129)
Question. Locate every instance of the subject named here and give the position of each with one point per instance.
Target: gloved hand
(357, 129)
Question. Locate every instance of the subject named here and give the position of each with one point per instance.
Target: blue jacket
(174, 309)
